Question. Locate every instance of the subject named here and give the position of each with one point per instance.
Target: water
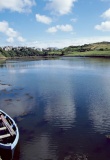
(62, 107)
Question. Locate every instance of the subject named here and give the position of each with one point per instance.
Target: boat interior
(7, 129)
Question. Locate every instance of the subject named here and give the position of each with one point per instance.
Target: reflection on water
(42, 147)
(100, 105)
(8, 154)
(61, 107)
(62, 111)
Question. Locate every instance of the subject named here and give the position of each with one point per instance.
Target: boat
(9, 134)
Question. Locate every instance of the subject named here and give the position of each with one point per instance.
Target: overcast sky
(54, 23)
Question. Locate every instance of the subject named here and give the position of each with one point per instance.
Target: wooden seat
(2, 128)
(7, 125)
(5, 136)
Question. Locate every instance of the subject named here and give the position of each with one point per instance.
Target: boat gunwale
(10, 145)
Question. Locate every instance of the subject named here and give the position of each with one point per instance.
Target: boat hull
(10, 146)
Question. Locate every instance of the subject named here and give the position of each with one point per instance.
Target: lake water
(61, 106)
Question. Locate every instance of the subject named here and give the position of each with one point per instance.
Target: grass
(54, 52)
(1, 56)
(90, 54)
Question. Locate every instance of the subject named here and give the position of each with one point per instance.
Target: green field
(1, 56)
(90, 54)
(101, 49)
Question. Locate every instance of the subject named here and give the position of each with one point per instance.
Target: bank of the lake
(105, 54)
(94, 54)
(2, 57)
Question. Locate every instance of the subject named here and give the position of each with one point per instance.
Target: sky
(53, 23)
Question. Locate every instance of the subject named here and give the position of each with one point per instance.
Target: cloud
(106, 14)
(17, 5)
(64, 28)
(73, 19)
(104, 26)
(21, 39)
(10, 32)
(60, 6)
(43, 19)
(10, 40)
(52, 29)
(61, 43)
(4, 28)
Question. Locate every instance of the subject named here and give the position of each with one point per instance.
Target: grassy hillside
(1, 56)
(98, 46)
(90, 54)
(101, 49)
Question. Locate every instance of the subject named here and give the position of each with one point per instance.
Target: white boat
(9, 134)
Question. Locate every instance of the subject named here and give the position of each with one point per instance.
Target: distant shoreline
(55, 56)
(29, 57)
(87, 56)
(95, 50)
